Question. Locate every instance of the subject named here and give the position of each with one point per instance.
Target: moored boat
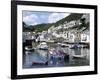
(79, 56)
(43, 46)
(28, 48)
(39, 63)
(62, 44)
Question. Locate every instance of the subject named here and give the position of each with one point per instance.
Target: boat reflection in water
(56, 57)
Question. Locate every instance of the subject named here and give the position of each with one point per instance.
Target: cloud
(34, 18)
(30, 19)
(54, 17)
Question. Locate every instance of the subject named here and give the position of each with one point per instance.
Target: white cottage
(71, 37)
(71, 23)
(85, 37)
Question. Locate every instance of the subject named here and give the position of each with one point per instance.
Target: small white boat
(43, 46)
(59, 43)
(79, 56)
(62, 44)
(27, 48)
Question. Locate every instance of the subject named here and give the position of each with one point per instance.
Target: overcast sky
(34, 17)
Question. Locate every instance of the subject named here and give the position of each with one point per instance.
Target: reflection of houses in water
(78, 54)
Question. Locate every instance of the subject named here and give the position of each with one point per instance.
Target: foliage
(72, 16)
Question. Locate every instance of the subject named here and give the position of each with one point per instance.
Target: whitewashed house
(64, 34)
(50, 30)
(71, 23)
(71, 37)
(56, 35)
(43, 36)
(65, 25)
(59, 27)
(27, 35)
(78, 22)
(85, 37)
(65, 22)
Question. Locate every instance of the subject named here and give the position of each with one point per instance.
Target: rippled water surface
(43, 56)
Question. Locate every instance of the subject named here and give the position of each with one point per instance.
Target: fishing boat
(62, 44)
(79, 56)
(39, 63)
(43, 46)
(59, 55)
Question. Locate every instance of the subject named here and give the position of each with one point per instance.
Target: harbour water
(43, 55)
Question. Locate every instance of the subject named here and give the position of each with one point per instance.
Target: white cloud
(30, 19)
(57, 16)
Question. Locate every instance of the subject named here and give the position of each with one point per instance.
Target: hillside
(46, 26)
(37, 28)
(72, 16)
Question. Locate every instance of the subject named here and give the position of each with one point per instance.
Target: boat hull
(79, 56)
(39, 63)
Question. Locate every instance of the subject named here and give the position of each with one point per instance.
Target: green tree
(83, 23)
(24, 24)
